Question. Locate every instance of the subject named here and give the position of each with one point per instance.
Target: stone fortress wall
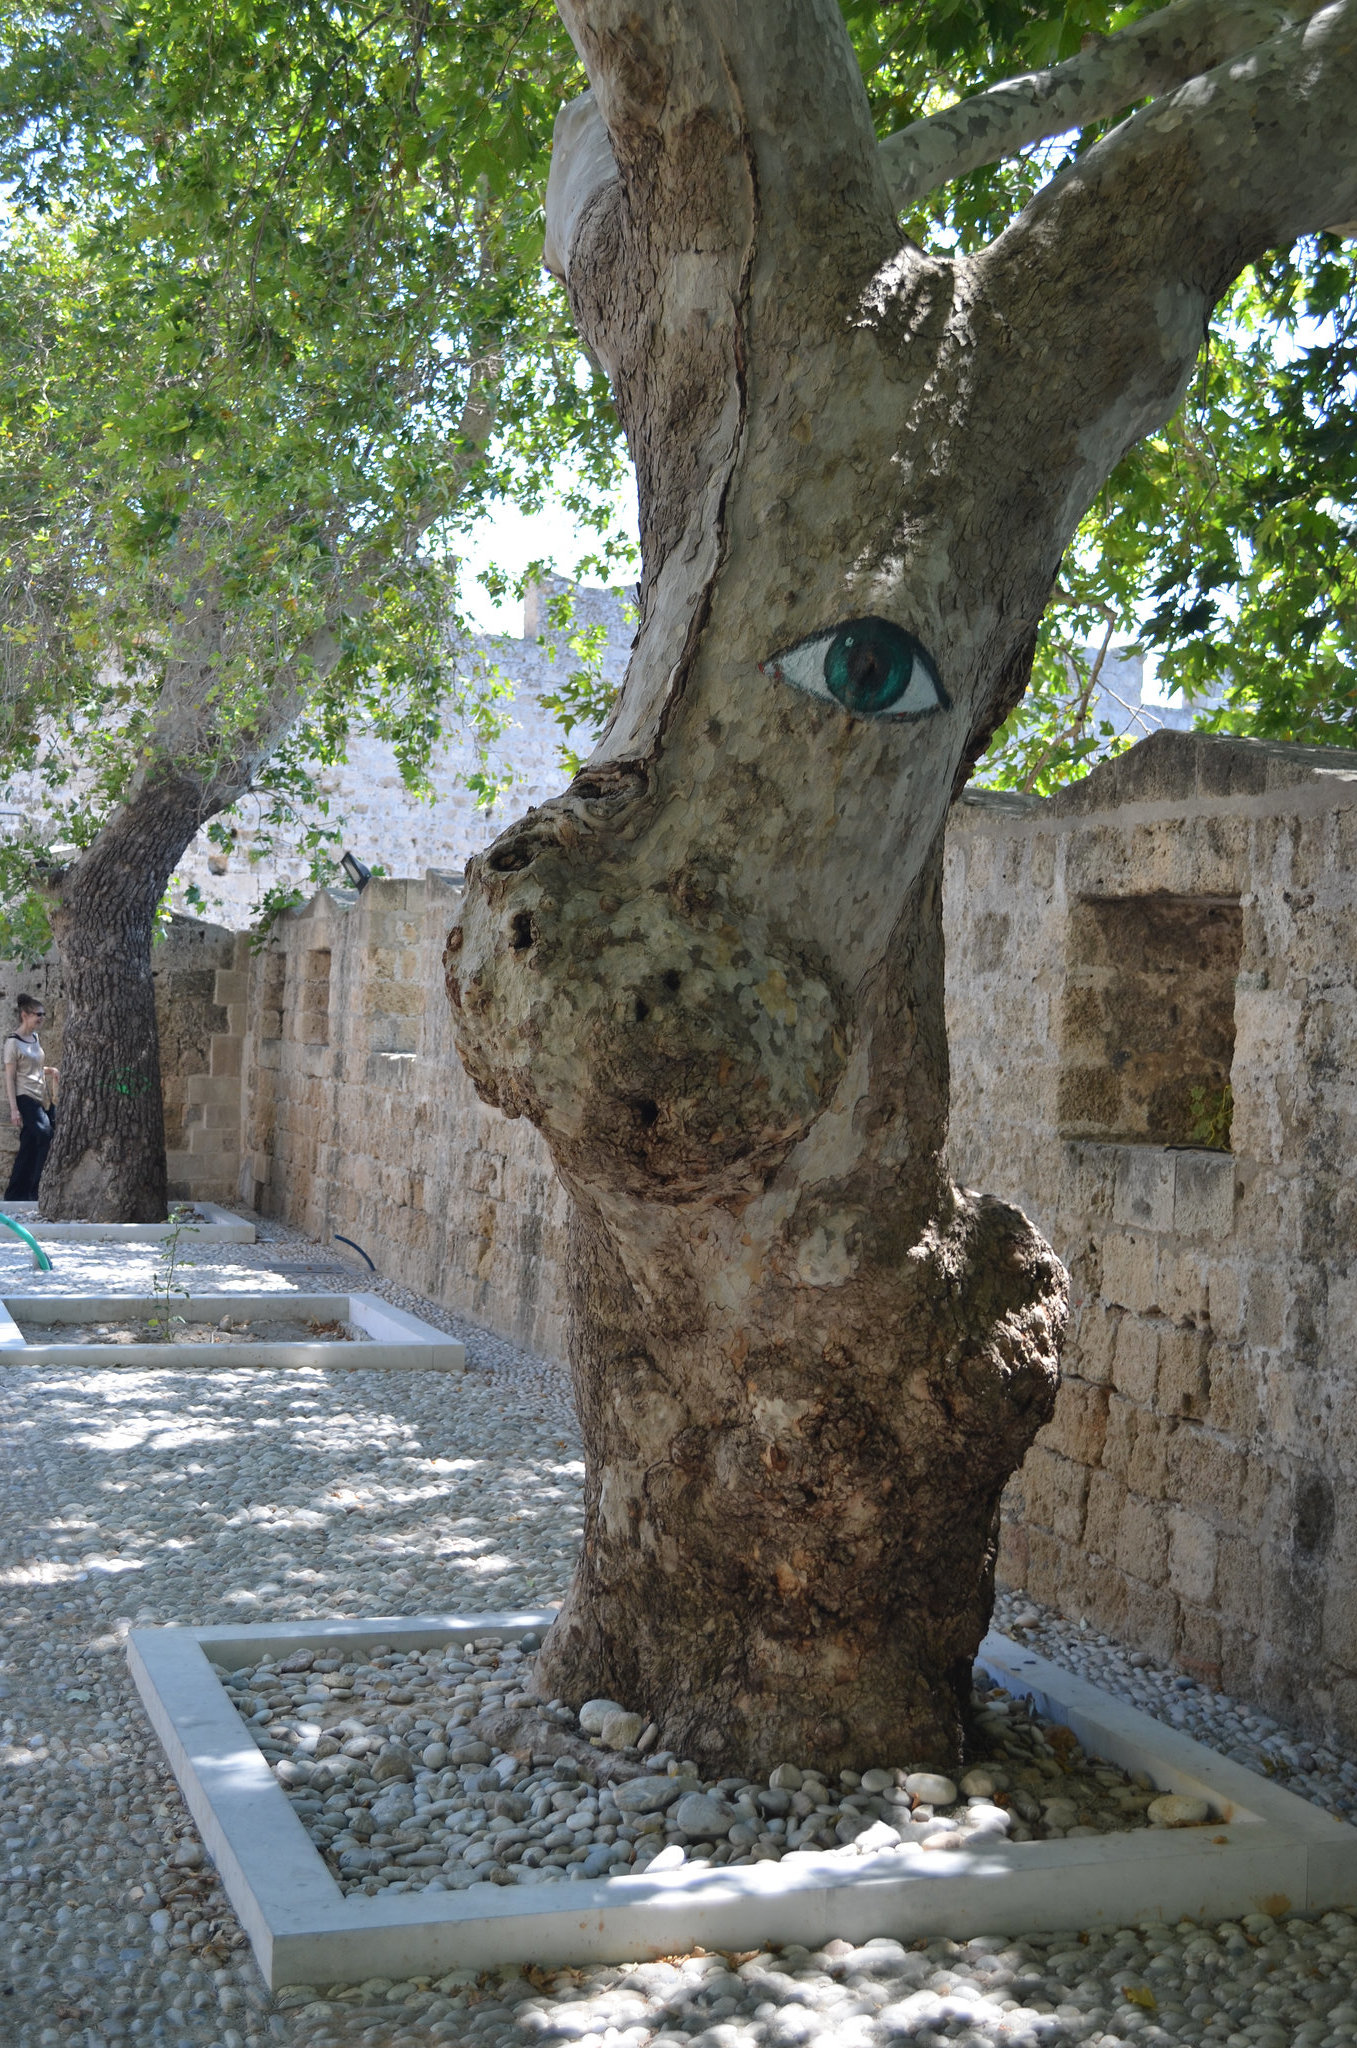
(1184, 919)
(383, 824)
(358, 1121)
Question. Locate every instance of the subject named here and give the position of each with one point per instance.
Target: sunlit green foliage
(272, 327)
(1225, 543)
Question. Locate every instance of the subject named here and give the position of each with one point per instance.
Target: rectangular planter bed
(392, 1338)
(212, 1225)
(1269, 1851)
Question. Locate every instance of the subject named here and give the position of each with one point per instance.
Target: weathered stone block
(1135, 1359)
(1148, 1467)
(1078, 1428)
(1191, 1556)
(1083, 1021)
(1265, 1305)
(1129, 1272)
(1183, 1385)
(1233, 1405)
(1142, 1540)
(1240, 1577)
(1088, 1098)
(1088, 1180)
(1205, 1474)
(1123, 1422)
(1055, 1492)
(1102, 1516)
(1151, 1618)
(1091, 1342)
(214, 1088)
(1144, 1198)
(1225, 1298)
(1180, 1284)
(1203, 1194)
(224, 1055)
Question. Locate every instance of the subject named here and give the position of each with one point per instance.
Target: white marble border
(1270, 1852)
(395, 1341)
(219, 1226)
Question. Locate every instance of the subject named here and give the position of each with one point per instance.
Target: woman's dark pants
(34, 1139)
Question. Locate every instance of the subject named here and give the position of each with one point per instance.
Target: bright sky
(511, 539)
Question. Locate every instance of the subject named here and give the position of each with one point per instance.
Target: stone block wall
(200, 975)
(1152, 1002)
(1185, 917)
(359, 1122)
(202, 984)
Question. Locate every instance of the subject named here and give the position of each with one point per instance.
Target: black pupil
(868, 665)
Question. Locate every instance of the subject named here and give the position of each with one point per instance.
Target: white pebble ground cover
(143, 1496)
(381, 1762)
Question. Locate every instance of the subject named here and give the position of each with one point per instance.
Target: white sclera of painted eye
(872, 667)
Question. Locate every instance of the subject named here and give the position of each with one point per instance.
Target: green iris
(868, 665)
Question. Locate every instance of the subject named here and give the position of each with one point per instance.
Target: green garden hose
(40, 1258)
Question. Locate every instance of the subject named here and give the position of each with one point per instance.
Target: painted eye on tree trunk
(871, 666)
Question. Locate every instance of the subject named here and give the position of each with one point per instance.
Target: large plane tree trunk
(712, 971)
(107, 1162)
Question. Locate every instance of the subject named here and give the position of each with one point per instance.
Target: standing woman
(26, 1086)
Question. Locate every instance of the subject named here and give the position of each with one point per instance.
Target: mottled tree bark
(205, 748)
(107, 1162)
(711, 973)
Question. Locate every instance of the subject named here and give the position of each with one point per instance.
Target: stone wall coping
(1176, 775)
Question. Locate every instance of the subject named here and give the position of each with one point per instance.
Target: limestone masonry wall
(1152, 1001)
(200, 985)
(1185, 917)
(359, 1121)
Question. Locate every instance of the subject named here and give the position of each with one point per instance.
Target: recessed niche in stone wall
(313, 1011)
(1147, 1025)
(272, 970)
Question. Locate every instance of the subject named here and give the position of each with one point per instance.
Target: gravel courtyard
(136, 1496)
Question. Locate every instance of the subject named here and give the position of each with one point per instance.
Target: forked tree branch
(1155, 54)
(1099, 294)
(1151, 58)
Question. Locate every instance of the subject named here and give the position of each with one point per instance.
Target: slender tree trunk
(107, 1162)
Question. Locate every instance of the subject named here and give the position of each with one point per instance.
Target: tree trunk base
(791, 1527)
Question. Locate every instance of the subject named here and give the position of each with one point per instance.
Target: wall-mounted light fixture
(357, 871)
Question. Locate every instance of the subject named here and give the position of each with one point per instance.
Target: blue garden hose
(40, 1258)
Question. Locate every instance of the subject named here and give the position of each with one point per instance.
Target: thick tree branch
(674, 81)
(1151, 57)
(1096, 300)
